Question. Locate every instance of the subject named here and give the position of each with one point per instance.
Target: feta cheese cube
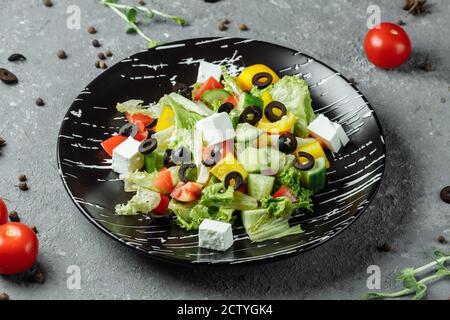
(215, 235)
(322, 128)
(126, 157)
(216, 128)
(341, 133)
(207, 70)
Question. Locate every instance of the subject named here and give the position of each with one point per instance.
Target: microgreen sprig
(130, 15)
(408, 277)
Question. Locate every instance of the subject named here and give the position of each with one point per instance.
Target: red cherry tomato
(18, 248)
(3, 212)
(387, 46)
(210, 84)
(285, 192)
(161, 209)
(163, 182)
(110, 144)
(187, 192)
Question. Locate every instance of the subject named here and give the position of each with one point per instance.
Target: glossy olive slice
(251, 115)
(148, 146)
(128, 130)
(181, 155)
(304, 166)
(167, 158)
(226, 107)
(214, 157)
(271, 115)
(287, 143)
(262, 80)
(183, 172)
(236, 177)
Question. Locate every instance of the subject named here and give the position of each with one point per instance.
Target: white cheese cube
(203, 174)
(216, 128)
(341, 133)
(215, 235)
(207, 70)
(126, 157)
(323, 129)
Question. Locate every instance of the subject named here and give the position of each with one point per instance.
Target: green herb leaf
(179, 21)
(132, 15)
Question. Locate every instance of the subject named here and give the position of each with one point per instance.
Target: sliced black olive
(251, 115)
(181, 155)
(183, 172)
(287, 143)
(129, 130)
(226, 107)
(16, 57)
(236, 177)
(214, 156)
(150, 133)
(152, 124)
(167, 158)
(305, 166)
(271, 115)
(148, 146)
(445, 194)
(262, 80)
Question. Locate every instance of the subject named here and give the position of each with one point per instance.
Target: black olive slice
(167, 158)
(445, 194)
(236, 177)
(226, 107)
(262, 80)
(271, 115)
(251, 115)
(150, 133)
(181, 155)
(152, 124)
(287, 143)
(148, 146)
(7, 77)
(183, 172)
(305, 166)
(214, 156)
(128, 130)
(16, 57)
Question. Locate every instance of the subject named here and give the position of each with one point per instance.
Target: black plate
(354, 176)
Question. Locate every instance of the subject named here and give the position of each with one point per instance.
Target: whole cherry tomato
(18, 248)
(387, 45)
(3, 212)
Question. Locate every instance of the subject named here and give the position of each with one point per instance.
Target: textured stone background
(413, 105)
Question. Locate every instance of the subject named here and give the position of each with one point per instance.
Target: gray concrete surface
(413, 105)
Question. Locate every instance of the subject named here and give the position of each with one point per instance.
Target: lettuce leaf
(217, 195)
(136, 106)
(190, 105)
(277, 207)
(230, 83)
(138, 179)
(143, 202)
(184, 119)
(291, 178)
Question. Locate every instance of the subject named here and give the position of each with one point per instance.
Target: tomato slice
(110, 144)
(142, 132)
(187, 192)
(285, 192)
(210, 84)
(163, 182)
(3, 212)
(233, 100)
(161, 209)
(139, 118)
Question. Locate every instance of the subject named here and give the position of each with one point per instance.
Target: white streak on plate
(170, 46)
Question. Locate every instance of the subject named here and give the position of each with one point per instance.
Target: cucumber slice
(271, 161)
(246, 132)
(249, 159)
(316, 178)
(247, 100)
(153, 162)
(210, 96)
(260, 186)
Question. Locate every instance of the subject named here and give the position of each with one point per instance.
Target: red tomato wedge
(3, 212)
(142, 132)
(285, 192)
(233, 100)
(139, 118)
(163, 182)
(110, 144)
(161, 209)
(210, 84)
(187, 192)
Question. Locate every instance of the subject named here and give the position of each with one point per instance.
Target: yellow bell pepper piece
(227, 165)
(246, 77)
(314, 148)
(266, 98)
(166, 119)
(286, 124)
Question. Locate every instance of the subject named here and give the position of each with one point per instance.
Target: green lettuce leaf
(184, 119)
(277, 207)
(137, 180)
(136, 106)
(143, 202)
(291, 178)
(217, 195)
(230, 83)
